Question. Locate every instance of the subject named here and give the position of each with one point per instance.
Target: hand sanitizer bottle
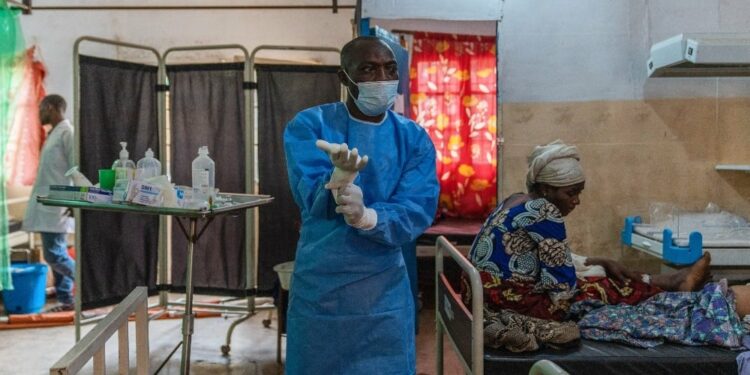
(124, 170)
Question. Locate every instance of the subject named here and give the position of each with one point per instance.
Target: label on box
(144, 194)
(97, 195)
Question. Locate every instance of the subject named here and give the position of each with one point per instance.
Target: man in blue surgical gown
(364, 179)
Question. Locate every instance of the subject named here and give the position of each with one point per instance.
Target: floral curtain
(453, 96)
(26, 133)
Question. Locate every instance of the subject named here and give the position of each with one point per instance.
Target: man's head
(368, 59)
(52, 109)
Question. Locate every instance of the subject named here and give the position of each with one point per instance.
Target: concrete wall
(576, 70)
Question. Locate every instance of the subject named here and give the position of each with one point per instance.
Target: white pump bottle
(124, 171)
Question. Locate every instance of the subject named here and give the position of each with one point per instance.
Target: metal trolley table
(238, 203)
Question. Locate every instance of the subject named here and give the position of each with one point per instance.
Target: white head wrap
(555, 164)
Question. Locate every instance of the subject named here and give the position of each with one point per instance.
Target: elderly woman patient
(527, 267)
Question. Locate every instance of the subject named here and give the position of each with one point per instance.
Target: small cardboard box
(21, 254)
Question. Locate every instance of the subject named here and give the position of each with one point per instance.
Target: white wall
(56, 31)
(562, 50)
(437, 26)
(464, 10)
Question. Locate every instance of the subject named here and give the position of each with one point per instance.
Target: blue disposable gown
(351, 309)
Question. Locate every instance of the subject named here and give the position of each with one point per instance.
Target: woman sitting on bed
(525, 263)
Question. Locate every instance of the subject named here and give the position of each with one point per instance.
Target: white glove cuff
(368, 221)
(341, 178)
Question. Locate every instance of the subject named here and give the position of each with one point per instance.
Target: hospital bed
(463, 325)
(683, 239)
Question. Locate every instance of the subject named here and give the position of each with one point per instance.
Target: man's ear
(342, 77)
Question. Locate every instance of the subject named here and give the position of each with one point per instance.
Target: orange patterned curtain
(453, 89)
(26, 133)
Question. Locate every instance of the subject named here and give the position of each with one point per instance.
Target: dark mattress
(593, 357)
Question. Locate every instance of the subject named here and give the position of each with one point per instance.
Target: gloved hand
(347, 164)
(350, 204)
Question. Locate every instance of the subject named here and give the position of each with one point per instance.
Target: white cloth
(584, 270)
(555, 164)
(56, 159)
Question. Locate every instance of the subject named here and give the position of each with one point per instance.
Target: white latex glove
(351, 205)
(347, 163)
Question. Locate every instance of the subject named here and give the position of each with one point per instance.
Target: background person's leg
(63, 266)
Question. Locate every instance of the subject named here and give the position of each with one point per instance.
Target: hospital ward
(370, 187)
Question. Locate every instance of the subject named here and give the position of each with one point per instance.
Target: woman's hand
(615, 269)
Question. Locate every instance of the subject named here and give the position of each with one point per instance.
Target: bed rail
(464, 328)
(93, 344)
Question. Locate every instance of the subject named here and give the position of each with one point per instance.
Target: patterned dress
(526, 266)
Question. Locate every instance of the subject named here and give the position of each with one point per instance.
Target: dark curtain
(207, 109)
(283, 90)
(119, 251)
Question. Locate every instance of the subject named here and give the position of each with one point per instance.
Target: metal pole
(499, 140)
(333, 7)
(187, 319)
(77, 159)
(251, 187)
(165, 240)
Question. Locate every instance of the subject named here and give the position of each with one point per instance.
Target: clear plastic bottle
(203, 176)
(148, 167)
(124, 171)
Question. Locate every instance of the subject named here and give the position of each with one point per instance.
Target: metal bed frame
(452, 317)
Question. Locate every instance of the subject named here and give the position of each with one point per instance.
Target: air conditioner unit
(701, 55)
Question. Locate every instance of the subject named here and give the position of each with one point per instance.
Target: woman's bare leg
(687, 279)
(742, 299)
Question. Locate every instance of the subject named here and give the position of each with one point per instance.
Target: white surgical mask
(375, 97)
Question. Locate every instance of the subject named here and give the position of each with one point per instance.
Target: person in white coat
(54, 223)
